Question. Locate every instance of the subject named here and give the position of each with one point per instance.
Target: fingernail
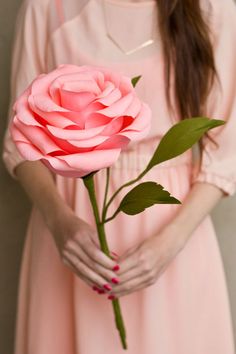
(115, 280)
(111, 297)
(107, 287)
(116, 268)
(115, 254)
(95, 288)
(101, 291)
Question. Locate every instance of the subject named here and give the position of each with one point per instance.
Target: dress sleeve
(28, 61)
(218, 164)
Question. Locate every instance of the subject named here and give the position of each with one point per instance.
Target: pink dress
(187, 310)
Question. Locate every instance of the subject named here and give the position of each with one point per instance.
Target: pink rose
(77, 119)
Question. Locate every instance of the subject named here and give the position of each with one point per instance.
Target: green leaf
(181, 137)
(144, 196)
(135, 80)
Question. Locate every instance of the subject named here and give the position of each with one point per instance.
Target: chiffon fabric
(187, 310)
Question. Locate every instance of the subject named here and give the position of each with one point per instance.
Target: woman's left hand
(143, 264)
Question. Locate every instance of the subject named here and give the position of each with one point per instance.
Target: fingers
(70, 265)
(138, 269)
(129, 275)
(107, 274)
(85, 272)
(95, 253)
(138, 282)
(128, 262)
(131, 286)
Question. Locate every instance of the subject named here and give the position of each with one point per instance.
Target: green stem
(106, 193)
(89, 184)
(112, 217)
(118, 191)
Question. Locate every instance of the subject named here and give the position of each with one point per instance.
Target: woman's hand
(143, 264)
(77, 243)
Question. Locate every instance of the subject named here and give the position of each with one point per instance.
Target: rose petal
(63, 170)
(37, 137)
(82, 86)
(118, 108)
(55, 118)
(142, 120)
(17, 136)
(96, 120)
(28, 151)
(76, 101)
(112, 76)
(41, 83)
(44, 104)
(92, 160)
(134, 135)
(114, 126)
(94, 141)
(134, 107)
(108, 88)
(76, 77)
(126, 85)
(114, 142)
(68, 134)
(81, 117)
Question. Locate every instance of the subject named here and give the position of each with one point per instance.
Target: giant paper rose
(77, 119)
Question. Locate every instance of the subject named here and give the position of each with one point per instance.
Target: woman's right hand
(77, 243)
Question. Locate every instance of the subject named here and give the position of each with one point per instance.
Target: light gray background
(14, 208)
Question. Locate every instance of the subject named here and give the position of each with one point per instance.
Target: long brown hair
(187, 45)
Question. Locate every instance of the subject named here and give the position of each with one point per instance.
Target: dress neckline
(139, 23)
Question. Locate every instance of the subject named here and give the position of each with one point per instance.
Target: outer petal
(17, 135)
(26, 115)
(142, 120)
(126, 85)
(114, 142)
(113, 127)
(135, 135)
(61, 167)
(37, 137)
(92, 160)
(28, 151)
(134, 108)
(64, 169)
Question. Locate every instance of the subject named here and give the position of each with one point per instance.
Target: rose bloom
(77, 119)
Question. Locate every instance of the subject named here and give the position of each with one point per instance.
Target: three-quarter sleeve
(28, 61)
(218, 164)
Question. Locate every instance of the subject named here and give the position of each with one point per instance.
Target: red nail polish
(95, 288)
(115, 281)
(116, 268)
(101, 291)
(111, 297)
(107, 287)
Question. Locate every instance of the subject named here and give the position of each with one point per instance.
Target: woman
(168, 275)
